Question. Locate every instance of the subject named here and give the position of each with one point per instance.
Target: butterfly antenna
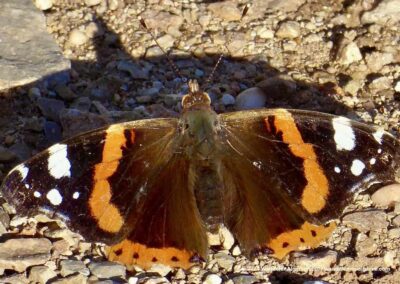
(170, 62)
(244, 12)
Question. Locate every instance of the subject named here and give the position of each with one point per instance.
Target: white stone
(397, 87)
(357, 167)
(212, 279)
(226, 238)
(54, 197)
(387, 195)
(91, 3)
(344, 135)
(58, 163)
(349, 54)
(386, 12)
(77, 37)
(44, 4)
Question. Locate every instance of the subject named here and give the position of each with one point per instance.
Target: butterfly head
(196, 99)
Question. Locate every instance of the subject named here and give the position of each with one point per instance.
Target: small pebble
(212, 279)
(91, 3)
(251, 98)
(77, 37)
(107, 269)
(44, 4)
(387, 196)
(41, 274)
(289, 29)
(228, 99)
(349, 54)
(365, 221)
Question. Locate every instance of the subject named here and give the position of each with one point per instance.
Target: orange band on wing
(130, 253)
(314, 195)
(308, 236)
(107, 214)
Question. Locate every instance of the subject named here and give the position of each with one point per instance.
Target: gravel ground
(340, 57)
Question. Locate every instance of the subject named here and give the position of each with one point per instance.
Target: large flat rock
(27, 51)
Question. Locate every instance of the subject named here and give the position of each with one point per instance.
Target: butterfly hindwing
(290, 171)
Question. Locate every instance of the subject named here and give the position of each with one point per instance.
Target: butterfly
(151, 189)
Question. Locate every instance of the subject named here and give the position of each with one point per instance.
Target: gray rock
(6, 155)
(51, 108)
(162, 21)
(251, 98)
(166, 41)
(245, 279)
(107, 269)
(69, 267)
(380, 84)
(320, 260)
(224, 260)
(396, 221)
(19, 254)
(15, 279)
(136, 71)
(65, 92)
(153, 91)
(74, 121)
(387, 195)
(27, 52)
(52, 132)
(226, 10)
(386, 12)
(82, 104)
(228, 99)
(41, 274)
(161, 269)
(394, 233)
(72, 279)
(376, 60)
(289, 29)
(365, 245)
(365, 221)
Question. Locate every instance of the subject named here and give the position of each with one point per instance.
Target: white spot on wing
(344, 134)
(378, 135)
(337, 169)
(76, 195)
(58, 163)
(379, 151)
(37, 194)
(357, 167)
(372, 161)
(23, 170)
(257, 164)
(27, 186)
(54, 197)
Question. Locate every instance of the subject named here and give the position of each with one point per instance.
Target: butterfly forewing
(287, 170)
(72, 181)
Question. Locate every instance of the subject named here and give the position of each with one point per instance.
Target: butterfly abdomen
(207, 188)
